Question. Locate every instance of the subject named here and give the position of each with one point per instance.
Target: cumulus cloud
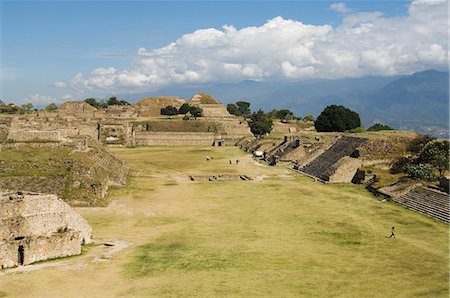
(340, 7)
(364, 43)
(38, 99)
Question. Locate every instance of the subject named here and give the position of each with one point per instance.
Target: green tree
(169, 111)
(261, 123)
(113, 101)
(284, 115)
(184, 109)
(435, 153)
(243, 108)
(337, 118)
(378, 127)
(196, 111)
(27, 106)
(309, 117)
(51, 107)
(1, 102)
(93, 102)
(233, 109)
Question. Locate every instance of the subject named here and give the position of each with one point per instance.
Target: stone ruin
(36, 227)
(151, 107)
(212, 108)
(335, 159)
(78, 174)
(429, 200)
(122, 125)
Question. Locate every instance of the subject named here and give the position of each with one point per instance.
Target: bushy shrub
(378, 127)
(357, 130)
(419, 172)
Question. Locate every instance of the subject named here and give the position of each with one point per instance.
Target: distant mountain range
(417, 102)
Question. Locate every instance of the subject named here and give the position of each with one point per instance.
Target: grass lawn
(279, 235)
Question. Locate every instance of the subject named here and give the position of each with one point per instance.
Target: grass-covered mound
(73, 176)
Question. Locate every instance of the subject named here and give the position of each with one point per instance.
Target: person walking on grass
(392, 233)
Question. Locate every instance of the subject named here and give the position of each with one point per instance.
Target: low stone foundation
(220, 178)
(150, 138)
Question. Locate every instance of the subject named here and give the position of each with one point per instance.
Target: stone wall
(36, 249)
(34, 135)
(150, 138)
(43, 225)
(33, 214)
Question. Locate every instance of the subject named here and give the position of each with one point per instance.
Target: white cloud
(67, 97)
(38, 99)
(340, 7)
(364, 43)
(59, 84)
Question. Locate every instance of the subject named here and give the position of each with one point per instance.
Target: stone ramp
(322, 166)
(427, 201)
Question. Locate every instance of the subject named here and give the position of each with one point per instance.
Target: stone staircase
(322, 166)
(250, 145)
(284, 148)
(116, 168)
(427, 201)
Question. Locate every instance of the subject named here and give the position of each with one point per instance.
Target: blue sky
(44, 45)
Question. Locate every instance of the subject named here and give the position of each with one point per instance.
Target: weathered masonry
(36, 227)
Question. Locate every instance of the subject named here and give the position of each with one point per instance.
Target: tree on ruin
(169, 111)
(51, 107)
(379, 127)
(233, 109)
(196, 112)
(184, 109)
(27, 106)
(337, 118)
(243, 108)
(260, 124)
(435, 153)
(309, 117)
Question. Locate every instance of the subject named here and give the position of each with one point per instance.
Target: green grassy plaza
(280, 235)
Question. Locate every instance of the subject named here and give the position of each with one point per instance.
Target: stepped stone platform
(426, 201)
(325, 165)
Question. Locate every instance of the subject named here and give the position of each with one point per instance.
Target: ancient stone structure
(212, 108)
(151, 107)
(80, 175)
(76, 108)
(127, 125)
(153, 138)
(332, 166)
(36, 227)
(430, 200)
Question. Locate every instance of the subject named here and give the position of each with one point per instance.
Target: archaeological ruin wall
(36, 227)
